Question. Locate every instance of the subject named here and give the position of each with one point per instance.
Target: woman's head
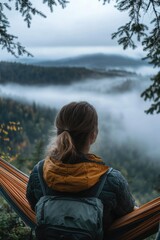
(77, 126)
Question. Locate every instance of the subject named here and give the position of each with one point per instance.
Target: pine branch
(52, 3)
(27, 11)
(152, 93)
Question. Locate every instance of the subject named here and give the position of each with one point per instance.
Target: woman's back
(70, 168)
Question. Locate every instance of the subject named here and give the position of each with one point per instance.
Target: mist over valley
(116, 98)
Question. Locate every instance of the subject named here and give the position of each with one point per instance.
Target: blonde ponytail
(64, 147)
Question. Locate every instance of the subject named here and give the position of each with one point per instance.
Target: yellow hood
(73, 177)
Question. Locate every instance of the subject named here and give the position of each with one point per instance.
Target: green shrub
(11, 226)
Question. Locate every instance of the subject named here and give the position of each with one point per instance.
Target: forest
(24, 133)
(12, 72)
(34, 123)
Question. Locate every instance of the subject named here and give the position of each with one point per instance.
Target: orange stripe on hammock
(133, 226)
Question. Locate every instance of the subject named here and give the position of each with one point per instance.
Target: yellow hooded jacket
(75, 177)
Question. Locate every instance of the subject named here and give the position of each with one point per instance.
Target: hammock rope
(134, 226)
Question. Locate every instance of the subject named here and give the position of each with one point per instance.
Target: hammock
(136, 225)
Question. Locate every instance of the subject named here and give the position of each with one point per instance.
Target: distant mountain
(95, 61)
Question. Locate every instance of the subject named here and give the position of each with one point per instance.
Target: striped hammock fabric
(136, 225)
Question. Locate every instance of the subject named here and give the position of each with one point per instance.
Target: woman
(69, 167)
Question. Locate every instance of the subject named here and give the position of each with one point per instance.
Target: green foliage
(11, 226)
(37, 153)
(153, 93)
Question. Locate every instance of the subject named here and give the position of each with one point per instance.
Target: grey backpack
(69, 218)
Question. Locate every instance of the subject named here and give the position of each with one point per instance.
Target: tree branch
(27, 10)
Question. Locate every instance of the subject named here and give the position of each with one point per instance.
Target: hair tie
(59, 131)
(66, 130)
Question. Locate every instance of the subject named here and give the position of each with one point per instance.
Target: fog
(118, 103)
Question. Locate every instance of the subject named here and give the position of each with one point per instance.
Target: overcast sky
(84, 26)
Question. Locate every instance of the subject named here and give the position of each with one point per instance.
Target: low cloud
(121, 113)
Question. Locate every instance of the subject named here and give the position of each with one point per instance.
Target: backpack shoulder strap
(40, 176)
(102, 182)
